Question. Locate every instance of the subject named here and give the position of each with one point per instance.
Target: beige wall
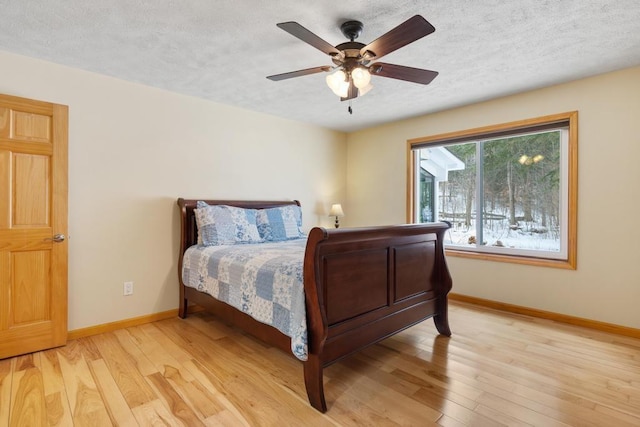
(606, 285)
(133, 150)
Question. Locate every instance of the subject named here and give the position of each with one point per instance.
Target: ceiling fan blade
(352, 93)
(400, 72)
(299, 73)
(307, 36)
(409, 31)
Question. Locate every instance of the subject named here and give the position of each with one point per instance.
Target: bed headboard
(188, 229)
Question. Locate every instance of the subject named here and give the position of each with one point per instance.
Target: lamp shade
(336, 210)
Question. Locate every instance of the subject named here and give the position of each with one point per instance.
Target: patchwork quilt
(263, 280)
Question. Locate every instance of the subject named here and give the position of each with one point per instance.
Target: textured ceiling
(223, 50)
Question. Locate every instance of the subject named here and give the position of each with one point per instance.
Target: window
(509, 191)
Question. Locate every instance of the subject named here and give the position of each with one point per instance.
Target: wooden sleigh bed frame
(361, 286)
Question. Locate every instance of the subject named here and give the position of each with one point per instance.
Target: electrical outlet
(128, 288)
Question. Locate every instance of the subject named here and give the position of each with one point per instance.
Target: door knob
(57, 238)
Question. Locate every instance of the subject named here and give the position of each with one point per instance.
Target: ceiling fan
(354, 66)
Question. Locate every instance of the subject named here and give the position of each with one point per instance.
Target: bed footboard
(365, 284)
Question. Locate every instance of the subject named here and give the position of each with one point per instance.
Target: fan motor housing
(351, 51)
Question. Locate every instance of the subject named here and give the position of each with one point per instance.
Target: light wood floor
(497, 369)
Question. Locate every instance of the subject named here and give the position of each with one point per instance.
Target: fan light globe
(361, 77)
(338, 84)
(334, 80)
(365, 90)
(343, 91)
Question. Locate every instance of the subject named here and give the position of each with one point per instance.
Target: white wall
(606, 285)
(133, 150)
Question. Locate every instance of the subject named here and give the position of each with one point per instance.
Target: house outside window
(509, 191)
(427, 189)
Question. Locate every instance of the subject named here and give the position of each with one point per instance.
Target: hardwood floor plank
(179, 408)
(223, 419)
(370, 383)
(259, 400)
(6, 377)
(517, 412)
(58, 412)
(25, 362)
(124, 370)
(202, 376)
(281, 368)
(57, 402)
(199, 397)
(86, 403)
(154, 413)
(128, 343)
(49, 365)
(435, 379)
(348, 408)
(189, 379)
(606, 413)
(393, 405)
(203, 402)
(177, 367)
(158, 354)
(28, 405)
(446, 421)
(212, 326)
(151, 330)
(115, 403)
(500, 417)
(88, 349)
(199, 366)
(453, 405)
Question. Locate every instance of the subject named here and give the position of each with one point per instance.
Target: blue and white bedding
(263, 280)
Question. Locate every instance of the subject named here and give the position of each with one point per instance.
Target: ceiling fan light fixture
(334, 79)
(353, 60)
(361, 77)
(364, 90)
(338, 83)
(343, 90)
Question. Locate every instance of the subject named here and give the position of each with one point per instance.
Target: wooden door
(33, 209)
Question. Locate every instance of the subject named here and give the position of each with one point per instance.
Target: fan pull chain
(349, 109)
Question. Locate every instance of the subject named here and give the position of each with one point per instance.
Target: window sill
(569, 264)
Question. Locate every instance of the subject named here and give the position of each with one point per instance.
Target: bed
(359, 286)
